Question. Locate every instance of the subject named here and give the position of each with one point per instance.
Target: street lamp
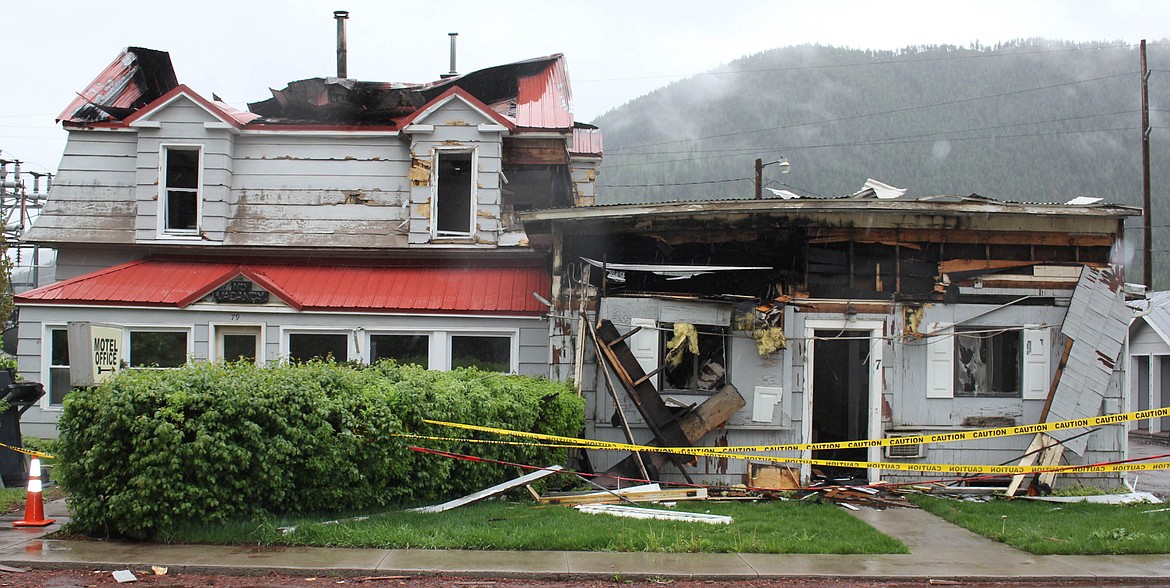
(784, 167)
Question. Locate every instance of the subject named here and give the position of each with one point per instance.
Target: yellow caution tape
(909, 467)
(27, 451)
(1111, 419)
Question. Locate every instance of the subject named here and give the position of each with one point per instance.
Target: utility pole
(1147, 210)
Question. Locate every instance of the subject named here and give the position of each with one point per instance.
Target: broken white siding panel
(1098, 323)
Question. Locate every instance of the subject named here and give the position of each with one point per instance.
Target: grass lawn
(1046, 528)
(771, 527)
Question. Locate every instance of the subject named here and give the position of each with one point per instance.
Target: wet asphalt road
(1155, 482)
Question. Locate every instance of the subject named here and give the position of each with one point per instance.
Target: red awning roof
(441, 290)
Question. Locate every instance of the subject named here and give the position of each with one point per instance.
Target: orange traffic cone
(34, 506)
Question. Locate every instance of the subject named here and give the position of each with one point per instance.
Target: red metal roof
(545, 100)
(587, 141)
(440, 290)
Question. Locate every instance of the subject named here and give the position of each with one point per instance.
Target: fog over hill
(1032, 120)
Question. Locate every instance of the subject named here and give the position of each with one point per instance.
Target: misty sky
(616, 51)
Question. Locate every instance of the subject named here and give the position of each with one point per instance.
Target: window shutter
(1036, 355)
(644, 344)
(940, 362)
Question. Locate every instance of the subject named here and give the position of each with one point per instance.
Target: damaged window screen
(182, 190)
(161, 349)
(987, 362)
(694, 357)
(324, 346)
(488, 353)
(403, 349)
(453, 193)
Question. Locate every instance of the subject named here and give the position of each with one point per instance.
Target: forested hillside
(1032, 120)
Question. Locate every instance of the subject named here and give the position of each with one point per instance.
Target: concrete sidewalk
(938, 550)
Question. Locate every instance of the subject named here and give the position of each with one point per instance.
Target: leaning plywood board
(489, 492)
(650, 513)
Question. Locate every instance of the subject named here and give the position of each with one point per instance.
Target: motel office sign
(95, 352)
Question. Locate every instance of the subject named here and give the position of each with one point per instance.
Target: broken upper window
(454, 194)
(181, 199)
(694, 357)
(987, 362)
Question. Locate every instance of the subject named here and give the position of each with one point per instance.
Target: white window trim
(128, 329)
(1035, 360)
(217, 330)
(876, 343)
(435, 232)
(646, 345)
(512, 334)
(430, 335)
(162, 212)
(47, 363)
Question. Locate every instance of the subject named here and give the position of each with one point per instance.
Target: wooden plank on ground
(492, 491)
(668, 495)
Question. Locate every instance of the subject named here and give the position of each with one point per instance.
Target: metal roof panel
(456, 290)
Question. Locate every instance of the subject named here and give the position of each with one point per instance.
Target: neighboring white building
(1149, 361)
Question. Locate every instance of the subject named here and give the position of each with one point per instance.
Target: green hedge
(210, 442)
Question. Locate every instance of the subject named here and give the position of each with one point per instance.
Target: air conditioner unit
(907, 451)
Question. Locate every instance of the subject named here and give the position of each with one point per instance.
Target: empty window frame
(404, 349)
(453, 213)
(158, 348)
(987, 362)
(306, 346)
(490, 353)
(695, 362)
(180, 204)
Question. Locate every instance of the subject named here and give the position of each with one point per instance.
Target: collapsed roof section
(532, 94)
(134, 79)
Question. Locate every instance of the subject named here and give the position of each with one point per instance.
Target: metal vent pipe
(453, 72)
(341, 16)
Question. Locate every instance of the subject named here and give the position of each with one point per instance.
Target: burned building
(852, 318)
(338, 218)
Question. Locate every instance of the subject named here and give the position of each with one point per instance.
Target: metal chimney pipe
(453, 73)
(341, 16)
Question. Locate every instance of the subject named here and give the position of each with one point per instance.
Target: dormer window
(180, 204)
(454, 193)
